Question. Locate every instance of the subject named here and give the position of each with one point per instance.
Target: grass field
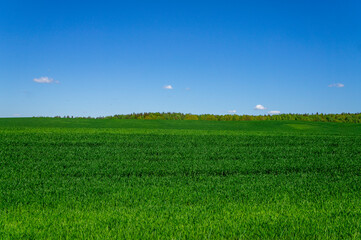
(134, 179)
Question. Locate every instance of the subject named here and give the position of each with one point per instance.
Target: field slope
(138, 179)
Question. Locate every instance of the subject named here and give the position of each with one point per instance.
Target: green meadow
(164, 179)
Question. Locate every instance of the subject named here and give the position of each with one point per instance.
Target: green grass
(133, 179)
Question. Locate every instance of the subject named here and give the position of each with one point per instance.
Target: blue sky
(99, 58)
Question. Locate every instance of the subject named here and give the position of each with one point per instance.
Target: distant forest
(342, 118)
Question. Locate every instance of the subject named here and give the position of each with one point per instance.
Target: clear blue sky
(98, 58)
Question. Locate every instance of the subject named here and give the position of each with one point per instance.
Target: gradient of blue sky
(113, 57)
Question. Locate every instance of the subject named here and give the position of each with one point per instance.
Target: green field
(139, 179)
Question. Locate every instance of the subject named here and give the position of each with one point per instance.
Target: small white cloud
(274, 112)
(338, 85)
(232, 111)
(44, 80)
(168, 87)
(16, 115)
(188, 88)
(259, 107)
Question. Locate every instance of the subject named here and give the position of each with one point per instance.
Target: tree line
(342, 117)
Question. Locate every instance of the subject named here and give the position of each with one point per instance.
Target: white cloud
(44, 80)
(16, 115)
(274, 112)
(188, 88)
(259, 107)
(168, 87)
(339, 85)
(232, 111)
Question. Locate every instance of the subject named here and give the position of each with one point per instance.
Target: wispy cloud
(274, 112)
(232, 111)
(16, 115)
(338, 85)
(259, 107)
(168, 87)
(44, 80)
(188, 88)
